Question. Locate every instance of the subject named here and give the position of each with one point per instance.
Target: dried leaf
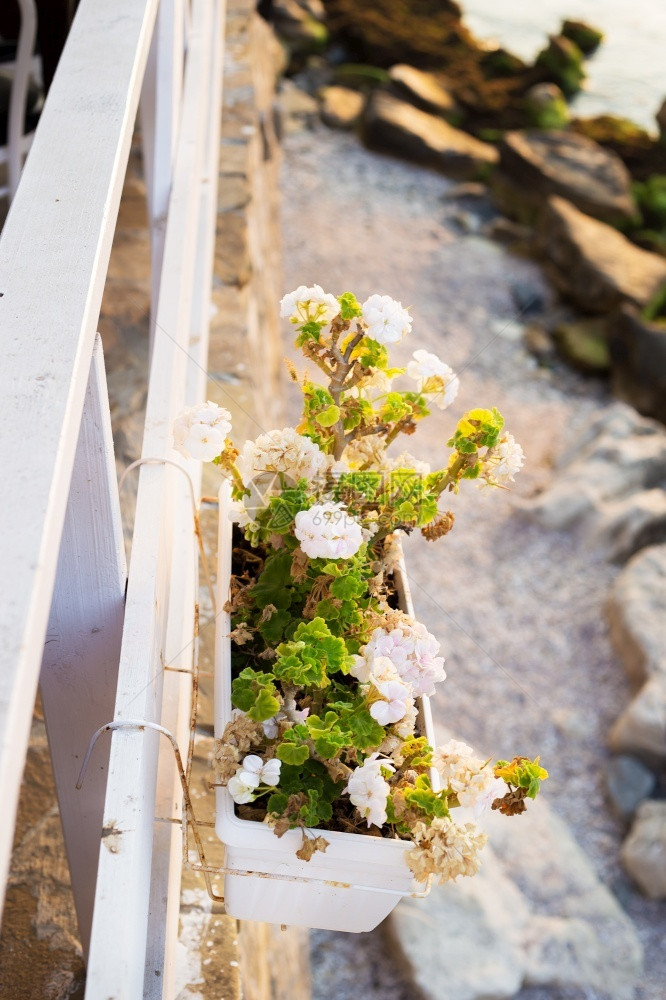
(299, 565)
(310, 846)
(241, 634)
(267, 613)
(243, 733)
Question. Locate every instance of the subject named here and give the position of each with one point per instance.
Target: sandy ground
(519, 612)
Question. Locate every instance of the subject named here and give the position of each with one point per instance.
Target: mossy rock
(502, 63)
(430, 35)
(546, 106)
(585, 36)
(639, 151)
(561, 62)
(584, 343)
(423, 33)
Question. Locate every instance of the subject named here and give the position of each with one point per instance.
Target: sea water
(627, 74)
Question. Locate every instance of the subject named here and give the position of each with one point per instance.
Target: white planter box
(355, 884)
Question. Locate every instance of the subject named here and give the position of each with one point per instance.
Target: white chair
(17, 140)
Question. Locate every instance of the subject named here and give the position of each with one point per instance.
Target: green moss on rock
(562, 63)
(585, 36)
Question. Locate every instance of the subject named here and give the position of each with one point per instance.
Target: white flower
(283, 452)
(327, 531)
(502, 462)
(386, 320)
(412, 650)
(396, 698)
(368, 790)
(482, 790)
(253, 771)
(433, 378)
(405, 728)
(200, 431)
(240, 791)
(307, 304)
(472, 780)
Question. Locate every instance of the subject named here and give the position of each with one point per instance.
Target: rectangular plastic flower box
(356, 882)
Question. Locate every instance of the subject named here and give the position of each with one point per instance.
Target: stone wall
(40, 956)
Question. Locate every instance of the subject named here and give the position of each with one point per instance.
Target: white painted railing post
(160, 109)
(80, 664)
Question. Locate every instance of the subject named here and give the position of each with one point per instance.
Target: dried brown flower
(513, 803)
(440, 525)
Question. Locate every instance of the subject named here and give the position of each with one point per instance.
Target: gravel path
(519, 612)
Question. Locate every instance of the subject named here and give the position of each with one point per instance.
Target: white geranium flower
(283, 452)
(386, 320)
(368, 790)
(412, 650)
(240, 792)
(433, 378)
(200, 431)
(306, 304)
(502, 463)
(327, 531)
(396, 698)
(254, 770)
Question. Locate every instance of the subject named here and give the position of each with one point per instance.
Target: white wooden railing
(102, 644)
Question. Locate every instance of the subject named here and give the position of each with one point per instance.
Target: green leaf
(289, 753)
(265, 707)
(366, 733)
(273, 629)
(329, 416)
(255, 693)
(277, 803)
(348, 587)
(350, 307)
(372, 354)
(309, 331)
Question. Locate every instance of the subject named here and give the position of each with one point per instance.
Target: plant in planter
(323, 723)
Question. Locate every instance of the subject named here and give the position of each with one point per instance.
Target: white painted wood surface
(80, 664)
(160, 109)
(54, 255)
(176, 698)
(129, 912)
